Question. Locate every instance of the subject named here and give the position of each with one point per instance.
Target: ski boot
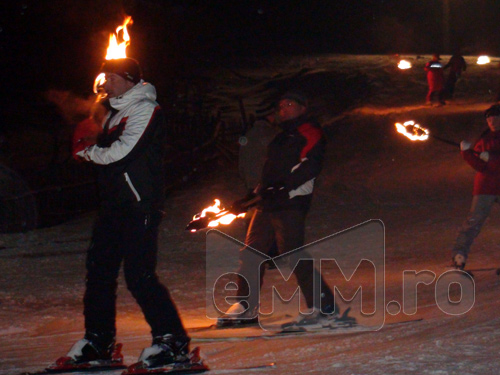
(458, 261)
(168, 353)
(89, 353)
(238, 315)
(315, 318)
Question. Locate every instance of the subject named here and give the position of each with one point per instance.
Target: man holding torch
(128, 156)
(484, 157)
(294, 160)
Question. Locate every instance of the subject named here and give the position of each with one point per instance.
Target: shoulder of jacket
(310, 128)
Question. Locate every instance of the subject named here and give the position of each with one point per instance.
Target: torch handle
(445, 140)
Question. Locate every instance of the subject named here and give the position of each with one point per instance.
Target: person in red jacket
(484, 157)
(435, 80)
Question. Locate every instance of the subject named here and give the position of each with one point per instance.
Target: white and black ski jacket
(129, 153)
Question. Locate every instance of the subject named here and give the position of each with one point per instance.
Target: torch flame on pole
(415, 132)
(482, 60)
(412, 131)
(118, 43)
(403, 64)
(212, 216)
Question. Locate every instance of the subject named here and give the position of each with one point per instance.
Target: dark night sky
(41, 37)
(61, 43)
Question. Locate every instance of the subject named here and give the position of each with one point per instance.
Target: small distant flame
(116, 50)
(482, 60)
(403, 64)
(220, 215)
(413, 131)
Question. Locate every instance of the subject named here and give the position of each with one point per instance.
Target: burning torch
(415, 132)
(212, 216)
(118, 43)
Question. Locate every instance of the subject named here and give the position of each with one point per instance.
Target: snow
(420, 191)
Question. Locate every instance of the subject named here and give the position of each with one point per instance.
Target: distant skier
(457, 65)
(128, 155)
(435, 80)
(484, 157)
(294, 160)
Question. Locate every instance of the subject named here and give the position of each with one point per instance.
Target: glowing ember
(215, 215)
(482, 60)
(412, 131)
(116, 50)
(403, 64)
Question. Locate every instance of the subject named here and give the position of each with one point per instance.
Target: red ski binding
(66, 364)
(194, 365)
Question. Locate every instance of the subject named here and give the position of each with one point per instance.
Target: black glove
(242, 205)
(274, 193)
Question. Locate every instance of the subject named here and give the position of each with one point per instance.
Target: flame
(416, 133)
(220, 215)
(115, 51)
(482, 60)
(403, 64)
(118, 50)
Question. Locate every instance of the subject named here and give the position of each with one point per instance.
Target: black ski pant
(130, 236)
(285, 228)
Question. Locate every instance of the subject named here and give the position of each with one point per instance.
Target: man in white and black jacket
(294, 160)
(128, 156)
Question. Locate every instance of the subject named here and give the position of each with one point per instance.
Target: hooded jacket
(129, 152)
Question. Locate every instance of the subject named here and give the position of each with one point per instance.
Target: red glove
(85, 135)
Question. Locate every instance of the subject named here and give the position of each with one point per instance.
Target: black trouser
(131, 236)
(287, 229)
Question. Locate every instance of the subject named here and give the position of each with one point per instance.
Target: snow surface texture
(421, 191)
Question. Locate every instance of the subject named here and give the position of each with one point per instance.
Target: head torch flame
(412, 131)
(116, 50)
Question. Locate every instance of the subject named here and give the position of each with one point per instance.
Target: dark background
(61, 43)
(51, 51)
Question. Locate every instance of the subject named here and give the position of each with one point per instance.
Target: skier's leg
(103, 264)
(479, 212)
(140, 247)
(258, 243)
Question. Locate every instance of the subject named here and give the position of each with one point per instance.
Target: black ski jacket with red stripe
(294, 160)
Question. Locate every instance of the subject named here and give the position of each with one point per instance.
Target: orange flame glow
(482, 60)
(221, 215)
(412, 131)
(116, 50)
(403, 64)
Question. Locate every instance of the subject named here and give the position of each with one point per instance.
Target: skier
(457, 65)
(435, 80)
(484, 157)
(128, 156)
(294, 160)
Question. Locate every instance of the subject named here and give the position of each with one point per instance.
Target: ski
(472, 271)
(242, 323)
(270, 365)
(77, 370)
(304, 331)
(64, 365)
